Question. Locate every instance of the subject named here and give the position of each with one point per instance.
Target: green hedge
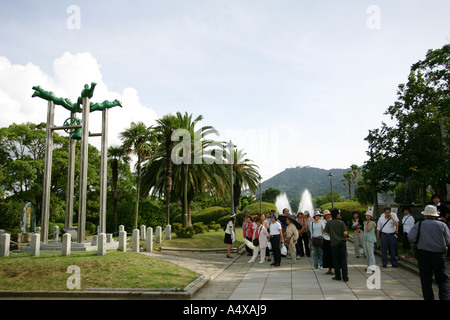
(209, 214)
(347, 209)
(266, 207)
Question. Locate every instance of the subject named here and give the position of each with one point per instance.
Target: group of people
(325, 234)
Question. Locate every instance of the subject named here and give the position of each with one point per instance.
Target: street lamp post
(231, 158)
(369, 139)
(331, 187)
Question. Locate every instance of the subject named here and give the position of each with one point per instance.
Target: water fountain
(282, 202)
(306, 202)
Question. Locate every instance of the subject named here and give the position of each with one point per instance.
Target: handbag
(256, 241)
(317, 241)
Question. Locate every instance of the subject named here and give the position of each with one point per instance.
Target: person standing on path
(317, 240)
(326, 247)
(291, 237)
(338, 234)
(387, 228)
(443, 212)
(432, 238)
(261, 235)
(276, 238)
(248, 229)
(369, 240)
(358, 235)
(303, 241)
(407, 223)
(230, 235)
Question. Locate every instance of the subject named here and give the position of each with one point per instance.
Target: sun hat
(430, 210)
(369, 213)
(317, 213)
(233, 215)
(326, 211)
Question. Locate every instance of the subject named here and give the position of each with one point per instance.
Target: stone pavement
(238, 280)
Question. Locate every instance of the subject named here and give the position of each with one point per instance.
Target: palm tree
(163, 134)
(116, 154)
(245, 175)
(183, 181)
(348, 177)
(139, 140)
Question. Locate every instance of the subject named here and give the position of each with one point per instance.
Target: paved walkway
(299, 281)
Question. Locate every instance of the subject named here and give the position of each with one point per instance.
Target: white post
(35, 245)
(103, 171)
(149, 240)
(142, 233)
(135, 240)
(5, 241)
(66, 244)
(168, 232)
(101, 249)
(56, 234)
(158, 235)
(122, 241)
(45, 216)
(83, 172)
(121, 228)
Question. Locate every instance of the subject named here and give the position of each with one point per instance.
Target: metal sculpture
(78, 130)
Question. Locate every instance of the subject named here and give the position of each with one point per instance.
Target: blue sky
(290, 82)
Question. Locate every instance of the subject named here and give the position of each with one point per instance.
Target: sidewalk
(299, 281)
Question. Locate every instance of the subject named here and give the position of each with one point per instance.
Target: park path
(238, 280)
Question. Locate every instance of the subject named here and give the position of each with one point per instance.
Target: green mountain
(293, 181)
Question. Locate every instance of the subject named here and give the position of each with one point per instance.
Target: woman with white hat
(432, 238)
(369, 240)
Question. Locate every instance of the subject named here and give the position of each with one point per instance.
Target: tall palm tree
(245, 175)
(348, 178)
(186, 180)
(139, 140)
(116, 155)
(163, 134)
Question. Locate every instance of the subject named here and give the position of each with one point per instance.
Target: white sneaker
(261, 262)
(251, 261)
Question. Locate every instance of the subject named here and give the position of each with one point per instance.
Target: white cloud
(70, 73)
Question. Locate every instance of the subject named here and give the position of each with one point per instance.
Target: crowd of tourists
(324, 236)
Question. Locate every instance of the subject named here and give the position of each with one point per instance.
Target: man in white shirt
(387, 228)
(275, 236)
(407, 223)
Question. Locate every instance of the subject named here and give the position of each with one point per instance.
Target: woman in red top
(248, 229)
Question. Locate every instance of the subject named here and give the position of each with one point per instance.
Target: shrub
(254, 208)
(209, 214)
(187, 232)
(214, 226)
(199, 227)
(176, 227)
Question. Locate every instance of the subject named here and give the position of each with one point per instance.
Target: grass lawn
(207, 240)
(114, 270)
